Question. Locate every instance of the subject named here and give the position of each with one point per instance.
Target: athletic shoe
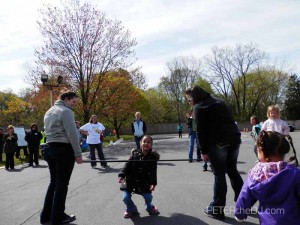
(153, 210)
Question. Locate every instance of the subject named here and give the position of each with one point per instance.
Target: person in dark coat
(10, 140)
(1, 143)
(33, 138)
(140, 177)
(219, 140)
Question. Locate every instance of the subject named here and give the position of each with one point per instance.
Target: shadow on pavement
(174, 219)
(165, 164)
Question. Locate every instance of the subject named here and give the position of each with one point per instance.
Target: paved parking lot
(183, 190)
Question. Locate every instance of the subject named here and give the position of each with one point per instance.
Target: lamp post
(44, 79)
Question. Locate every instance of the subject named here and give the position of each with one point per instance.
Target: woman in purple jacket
(273, 182)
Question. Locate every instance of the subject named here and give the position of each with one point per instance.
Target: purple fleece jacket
(276, 185)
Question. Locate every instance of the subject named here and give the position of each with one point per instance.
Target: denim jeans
(224, 160)
(131, 207)
(100, 154)
(138, 141)
(60, 159)
(192, 142)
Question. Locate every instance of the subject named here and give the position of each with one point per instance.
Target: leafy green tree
(204, 84)
(263, 88)
(292, 101)
(161, 107)
(182, 74)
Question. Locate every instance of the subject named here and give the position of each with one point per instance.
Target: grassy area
(106, 141)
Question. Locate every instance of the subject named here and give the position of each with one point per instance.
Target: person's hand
(152, 187)
(78, 159)
(204, 157)
(120, 180)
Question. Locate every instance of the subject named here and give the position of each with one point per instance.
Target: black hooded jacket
(33, 138)
(140, 174)
(215, 124)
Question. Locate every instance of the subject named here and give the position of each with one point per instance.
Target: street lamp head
(44, 78)
(60, 79)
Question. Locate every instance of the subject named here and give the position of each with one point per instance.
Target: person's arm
(264, 126)
(84, 129)
(244, 202)
(132, 127)
(16, 137)
(40, 136)
(70, 129)
(102, 127)
(201, 123)
(257, 130)
(285, 129)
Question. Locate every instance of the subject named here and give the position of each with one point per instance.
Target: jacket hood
(272, 182)
(207, 103)
(61, 103)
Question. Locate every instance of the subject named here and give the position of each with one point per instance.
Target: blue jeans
(100, 154)
(192, 141)
(224, 160)
(131, 207)
(60, 159)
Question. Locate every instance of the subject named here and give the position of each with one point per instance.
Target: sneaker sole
(214, 216)
(131, 215)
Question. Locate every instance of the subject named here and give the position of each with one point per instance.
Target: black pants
(10, 162)
(100, 154)
(33, 154)
(60, 159)
(19, 149)
(180, 134)
(1, 150)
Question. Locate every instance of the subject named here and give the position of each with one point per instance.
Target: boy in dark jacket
(33, 138)
(140, 177)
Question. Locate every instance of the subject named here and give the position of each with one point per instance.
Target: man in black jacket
(33, 138)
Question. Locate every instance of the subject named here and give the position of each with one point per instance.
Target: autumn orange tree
(39, 102)
(119, 100)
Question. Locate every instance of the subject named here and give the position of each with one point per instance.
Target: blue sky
(164, 29)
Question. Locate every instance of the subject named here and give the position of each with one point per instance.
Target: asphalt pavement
(182, 193)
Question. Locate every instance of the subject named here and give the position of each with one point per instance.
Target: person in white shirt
(92, 130)
(274, 123)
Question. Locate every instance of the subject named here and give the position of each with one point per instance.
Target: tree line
(96, 56)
